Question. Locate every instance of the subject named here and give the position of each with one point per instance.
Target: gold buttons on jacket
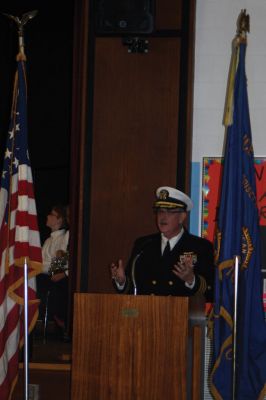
(154, 282)
(170, 283)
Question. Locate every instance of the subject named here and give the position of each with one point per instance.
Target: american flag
(19, 238)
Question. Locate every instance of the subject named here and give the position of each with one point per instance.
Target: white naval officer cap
(168, 197)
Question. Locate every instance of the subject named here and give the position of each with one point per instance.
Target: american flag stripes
(19, 238)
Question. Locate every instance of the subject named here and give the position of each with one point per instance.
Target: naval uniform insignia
(188, 255)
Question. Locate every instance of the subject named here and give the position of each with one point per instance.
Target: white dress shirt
(58, 240)
(172, 242)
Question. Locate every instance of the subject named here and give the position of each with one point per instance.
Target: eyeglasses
(167, 211)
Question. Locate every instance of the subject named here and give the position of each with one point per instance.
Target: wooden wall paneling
(78, 137)
(190, 87)
(168, 14)
(134, 148)
(124, 106)
(186, 88)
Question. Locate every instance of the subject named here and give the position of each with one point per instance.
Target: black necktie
(167, 250)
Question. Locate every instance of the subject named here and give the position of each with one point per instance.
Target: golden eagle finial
(21, 22)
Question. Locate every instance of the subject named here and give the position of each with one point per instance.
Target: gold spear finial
(240, 38)
(242, 25)
(20, 24)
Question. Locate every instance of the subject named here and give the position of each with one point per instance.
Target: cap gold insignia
(164, 194)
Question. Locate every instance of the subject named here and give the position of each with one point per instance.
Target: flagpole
(26, 338)
(242, 29)
(237, 259)
(241, 37)
(21, 22)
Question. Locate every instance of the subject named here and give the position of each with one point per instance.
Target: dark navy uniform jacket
(153, 273)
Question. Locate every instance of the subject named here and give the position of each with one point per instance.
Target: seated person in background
(172, 261)
(53, 282)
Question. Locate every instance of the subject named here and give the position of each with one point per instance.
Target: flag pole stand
(236, 263)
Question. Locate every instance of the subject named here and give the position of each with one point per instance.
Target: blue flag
(238, 234)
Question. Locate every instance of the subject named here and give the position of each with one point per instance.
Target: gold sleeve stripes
(203, 285)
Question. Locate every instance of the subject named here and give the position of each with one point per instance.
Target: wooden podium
(135, 347)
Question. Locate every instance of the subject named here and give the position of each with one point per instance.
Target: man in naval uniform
(172, 261)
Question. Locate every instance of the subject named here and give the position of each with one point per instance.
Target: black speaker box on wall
(124, 16)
